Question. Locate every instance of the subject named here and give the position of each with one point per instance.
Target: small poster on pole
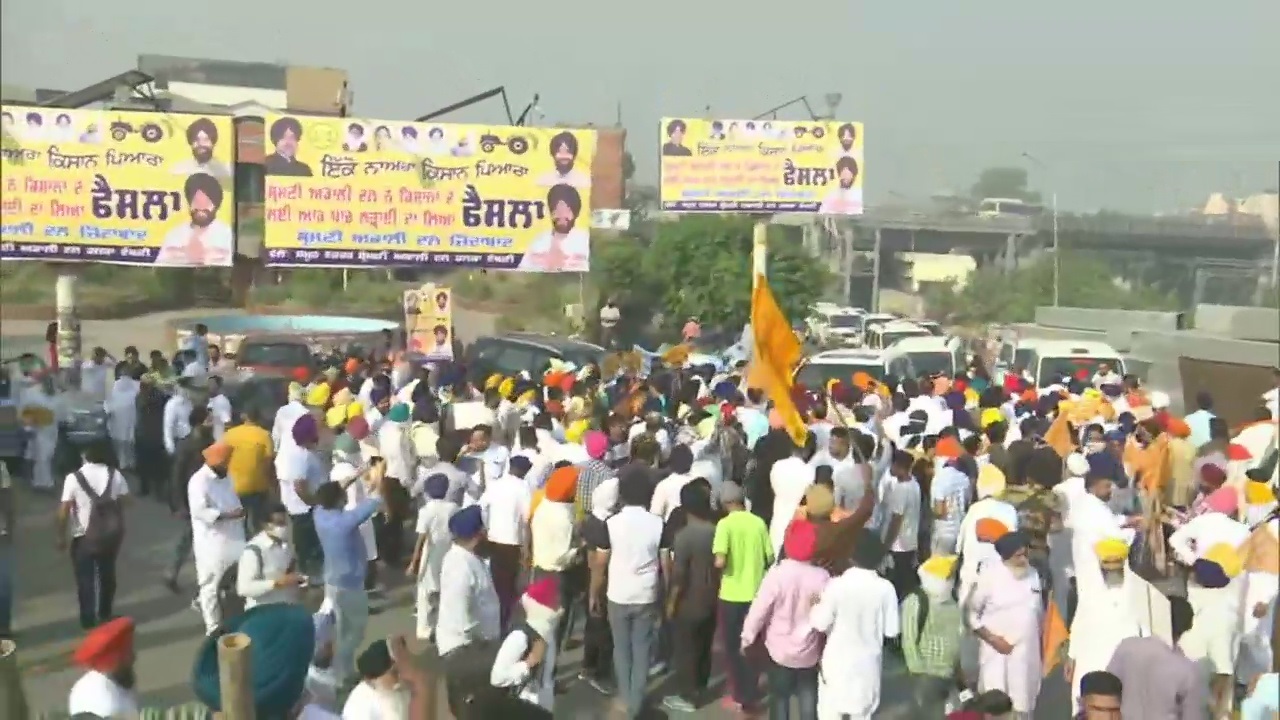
(428, 321)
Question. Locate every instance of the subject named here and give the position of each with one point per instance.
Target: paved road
(169, 631)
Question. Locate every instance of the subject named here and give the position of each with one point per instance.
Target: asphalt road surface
(169, 631)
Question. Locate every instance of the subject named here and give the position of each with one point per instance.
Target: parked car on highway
(513, 353)
(272, 354)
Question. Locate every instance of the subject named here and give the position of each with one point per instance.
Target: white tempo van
(818, 370)
(931, 354)
(1046, 362)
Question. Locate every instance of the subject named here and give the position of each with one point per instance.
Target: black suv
(531, 352)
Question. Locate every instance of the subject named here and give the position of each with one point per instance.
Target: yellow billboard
(346, 192)
(761, 166)
(135, 188)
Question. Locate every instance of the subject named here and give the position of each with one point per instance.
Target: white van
(818, 370)
(882, 337)
(931, 354)
(1046, 362)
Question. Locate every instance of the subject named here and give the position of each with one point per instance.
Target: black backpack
(230, 602)
(105, 531)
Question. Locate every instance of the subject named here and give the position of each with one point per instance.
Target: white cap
(1159, 400)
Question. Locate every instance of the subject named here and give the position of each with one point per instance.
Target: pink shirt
(781, 610)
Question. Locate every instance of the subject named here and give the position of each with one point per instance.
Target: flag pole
(759, 249)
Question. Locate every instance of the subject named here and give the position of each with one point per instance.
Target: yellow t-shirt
(251, 456)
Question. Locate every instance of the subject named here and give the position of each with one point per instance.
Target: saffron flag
(777, 352)
(1052, 638)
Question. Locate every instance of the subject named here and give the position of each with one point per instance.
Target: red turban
(107, 647)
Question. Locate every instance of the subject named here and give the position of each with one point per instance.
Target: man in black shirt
(692, 591)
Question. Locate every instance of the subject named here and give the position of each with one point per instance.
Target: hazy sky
(1133, 104)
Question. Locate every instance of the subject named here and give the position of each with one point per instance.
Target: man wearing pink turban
(593, 472)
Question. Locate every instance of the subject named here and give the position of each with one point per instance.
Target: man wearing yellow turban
(318, 396)
(932, 619)
(1104, 615)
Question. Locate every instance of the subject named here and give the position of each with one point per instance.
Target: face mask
(1095, 447)
(277, 532)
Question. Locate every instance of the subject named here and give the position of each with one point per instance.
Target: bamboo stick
(235, 676)
(13, 701)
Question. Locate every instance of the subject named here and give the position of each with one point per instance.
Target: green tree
(1003, 182)
(700, 266)
(992, 296)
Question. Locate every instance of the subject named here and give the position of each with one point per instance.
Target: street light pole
(1057, 284)
(1056, 255)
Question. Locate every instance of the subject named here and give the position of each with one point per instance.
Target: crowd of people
(986, 534)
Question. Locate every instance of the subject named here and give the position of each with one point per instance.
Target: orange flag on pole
(1052, 638)
(777, 351)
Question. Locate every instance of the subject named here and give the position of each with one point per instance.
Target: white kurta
(857, 611)
(1103, 618)
(44, 440)
(122, 418)
(1010, 607)
(396, 447)
(216, 543)
(356, 494)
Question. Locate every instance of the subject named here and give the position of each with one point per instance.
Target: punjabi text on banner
(351, 192)
(137, 188)
(761, 166)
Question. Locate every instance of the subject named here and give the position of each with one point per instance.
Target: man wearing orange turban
(217, 529)
(107, 689)
(990, 530)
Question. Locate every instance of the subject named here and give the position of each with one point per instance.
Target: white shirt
(255, 580)
(952, 487)
(574, 178)
(666, 494)
(97, 478)
(554, 541)
(789, 478)
(1191, 541)
(635, 536)
(98, 694)
(216, 542)
(369, 703)
(216, 168)
(182, 247)
(282, 428)
(842, 201)
(857, 611)
(904, 499)
(293, 465)
(1092, 520)
(220, 411)
(572, 252)
(468, 603)
(821, 430)
(94, 379)
(505, 503)
(511, 671)
(177, 420)
(609, 316)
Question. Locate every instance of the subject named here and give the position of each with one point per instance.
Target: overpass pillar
(1010, 254)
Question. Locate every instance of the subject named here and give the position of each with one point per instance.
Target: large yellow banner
(762, 166)
(136, 188)
(352, 192)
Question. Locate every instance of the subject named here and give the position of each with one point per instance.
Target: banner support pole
(759, 249)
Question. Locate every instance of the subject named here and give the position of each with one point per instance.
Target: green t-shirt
(743, 539)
